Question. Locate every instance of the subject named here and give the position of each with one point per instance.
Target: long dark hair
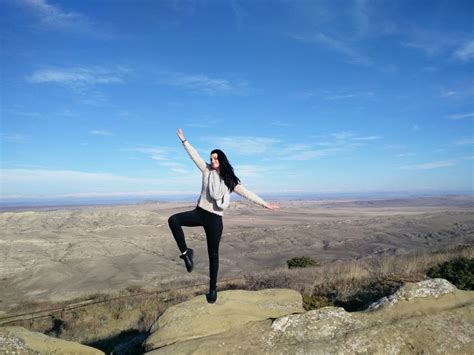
(226, 170)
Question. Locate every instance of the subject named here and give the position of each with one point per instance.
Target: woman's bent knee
(172, 221)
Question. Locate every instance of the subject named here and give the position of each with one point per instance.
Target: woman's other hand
(180, 134)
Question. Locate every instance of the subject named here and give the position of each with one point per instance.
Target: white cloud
(430, 165)
(430, 42)
(23, 183)
(161, 154)
(281, 124)
(53, 17)
(465, 52)
(394, 146)
(70, 177)
(336, 45)
(401, 155)
(68, 113)
(13, 137)
(307, 154)
(23, 113)
(461, 116)
(101, 133)
(361, 14)
(246, 145)
(333, 95)
(204, 84)
(176, 167)
(464, 141)
(342, 135)
(78, 77)
(368, 138)
(239, 14)
(447, 93)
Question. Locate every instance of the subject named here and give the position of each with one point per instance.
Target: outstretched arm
(242, 191)
(200, 163)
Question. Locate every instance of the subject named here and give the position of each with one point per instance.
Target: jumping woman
(218, 181)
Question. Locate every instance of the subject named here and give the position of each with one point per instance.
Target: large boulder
(439, 321)
(18, 340)
(196, 318)
(428, 288)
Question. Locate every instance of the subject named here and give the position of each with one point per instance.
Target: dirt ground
(65, 252)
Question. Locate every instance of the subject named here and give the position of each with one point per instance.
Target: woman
(218, 181)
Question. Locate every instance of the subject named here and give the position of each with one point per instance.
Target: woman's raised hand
(180, 134)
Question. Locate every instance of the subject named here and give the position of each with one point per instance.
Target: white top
(205, 201)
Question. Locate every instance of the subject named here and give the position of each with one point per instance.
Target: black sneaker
(188, 259)
(211, 296)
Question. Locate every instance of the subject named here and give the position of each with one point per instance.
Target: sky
(302, 96)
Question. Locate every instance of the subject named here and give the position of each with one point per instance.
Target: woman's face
(214, 161)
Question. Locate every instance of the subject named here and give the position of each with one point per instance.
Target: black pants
(213, 227)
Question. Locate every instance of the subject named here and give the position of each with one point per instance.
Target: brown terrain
(60, 253)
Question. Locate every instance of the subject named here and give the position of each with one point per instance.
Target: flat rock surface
(18, 340)
(196, 318)
(442, 324)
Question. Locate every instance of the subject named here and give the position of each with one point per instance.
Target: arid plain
(65, 252)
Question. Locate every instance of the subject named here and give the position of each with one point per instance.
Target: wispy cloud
(402, 155)
(203, 123)
(434, 43)
(415, 127)
(436, 164)
(13, 137)
(161, 154)
(79, 77)
(430, 165)
(361, 14)
(176, 167)
(336, 142)
(164, 156)
(394, 146)
(428, 41)
(69, 176)
(83, 184)
(239, 14)
(447, 93)
(245, 145)
(53, 17)
(336, 94)
(100, 133)
(461, 116)
(281, 124)
(367, 138)
(203, 84)
(465, 52)
(337, 45)
(17, 112)
(464, 141)
(305, 153)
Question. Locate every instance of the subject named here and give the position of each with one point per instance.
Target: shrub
(459, 272)
(303, 261)
(315, 302)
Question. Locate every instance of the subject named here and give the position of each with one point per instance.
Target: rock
(431, 287)
(196, 318)
(427, 319)
(18, 340)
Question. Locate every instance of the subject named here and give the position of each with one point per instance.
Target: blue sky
(303, 96)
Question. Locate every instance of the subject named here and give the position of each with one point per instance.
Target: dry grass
(342, 280)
